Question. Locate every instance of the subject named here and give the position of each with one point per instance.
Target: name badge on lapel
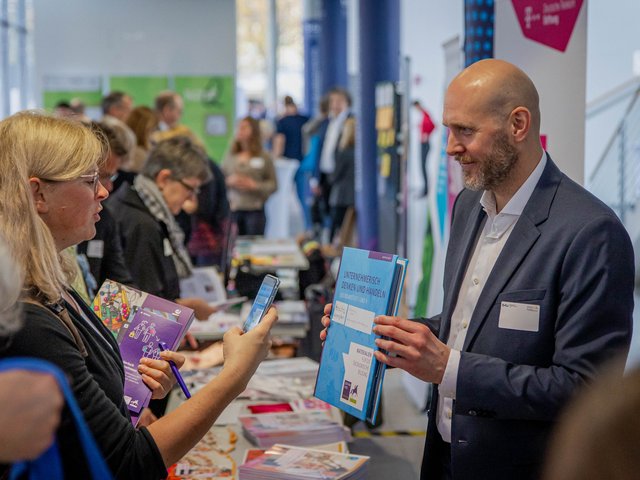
(519, 316)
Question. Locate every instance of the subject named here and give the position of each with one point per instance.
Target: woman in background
(343, 178)
(143, 122)
(251, 178)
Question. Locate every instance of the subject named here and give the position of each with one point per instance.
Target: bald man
(538, 289)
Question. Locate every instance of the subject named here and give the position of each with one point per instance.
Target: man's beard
(493, 168)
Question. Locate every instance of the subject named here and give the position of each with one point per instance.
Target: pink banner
(549, 22)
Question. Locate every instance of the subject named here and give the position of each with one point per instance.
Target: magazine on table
(289, 462)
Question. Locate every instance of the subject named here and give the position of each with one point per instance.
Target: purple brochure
(145, 331)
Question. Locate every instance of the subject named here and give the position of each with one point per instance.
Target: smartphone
(263, 301)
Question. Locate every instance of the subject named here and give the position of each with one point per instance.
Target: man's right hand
(31, 404)
(326, 320)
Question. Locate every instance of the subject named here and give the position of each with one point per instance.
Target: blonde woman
(250, 177)
(50, 199)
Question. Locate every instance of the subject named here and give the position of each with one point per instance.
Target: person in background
(250, 178)
(153, 242)
(538, 289)
(78, 108)
(104, 251)
(426, 129)
(31, 402)
(118, 105)
(63, 109)
(287, 142)
(50, 193)
(339, 111)
(143, 122)
(312, 137)
(210, 223)
(169, 108)
(598, 434)
(342, 180)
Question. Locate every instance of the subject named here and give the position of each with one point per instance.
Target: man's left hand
(412, 347)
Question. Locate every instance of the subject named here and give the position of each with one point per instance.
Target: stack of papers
(303, 428)
(291, 463)
(209, 459)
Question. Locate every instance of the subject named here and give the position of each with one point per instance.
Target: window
(16, 56)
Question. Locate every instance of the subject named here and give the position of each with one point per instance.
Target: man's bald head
(501, 87)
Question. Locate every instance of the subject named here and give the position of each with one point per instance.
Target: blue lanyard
(49, 465)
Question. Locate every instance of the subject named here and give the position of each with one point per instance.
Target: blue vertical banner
(312, 71)
(478, 30)
(333, 45)
(376, 31)
(311, 37)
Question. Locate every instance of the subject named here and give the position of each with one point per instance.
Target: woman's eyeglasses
(94, 179)
(90, 178)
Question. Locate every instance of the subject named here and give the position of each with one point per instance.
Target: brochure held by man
(369, 284)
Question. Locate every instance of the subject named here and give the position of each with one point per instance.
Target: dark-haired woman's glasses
(194, 190)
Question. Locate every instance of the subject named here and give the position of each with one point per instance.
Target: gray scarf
(152, 198)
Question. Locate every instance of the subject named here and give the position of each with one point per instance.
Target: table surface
(392, 455)
(268, 254)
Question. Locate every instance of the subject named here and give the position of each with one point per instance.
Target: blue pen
(176, 372)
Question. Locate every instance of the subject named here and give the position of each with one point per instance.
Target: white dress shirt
(328, 155)
(496, 231)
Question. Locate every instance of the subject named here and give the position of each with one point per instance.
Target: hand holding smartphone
(263, 301)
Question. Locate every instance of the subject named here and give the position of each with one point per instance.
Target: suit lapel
(524, 235)
(468, 242)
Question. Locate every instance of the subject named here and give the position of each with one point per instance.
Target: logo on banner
(550, 22)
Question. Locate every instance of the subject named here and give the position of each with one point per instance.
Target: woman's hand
(241, 182)
(243, 352)
(199, 306)
(190, 205)
(157, 374)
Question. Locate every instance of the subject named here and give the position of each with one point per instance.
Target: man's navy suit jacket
(567, 253)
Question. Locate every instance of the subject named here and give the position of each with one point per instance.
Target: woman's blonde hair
(35, 145)
(10, 286)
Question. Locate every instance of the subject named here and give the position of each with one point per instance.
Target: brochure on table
(369, 284)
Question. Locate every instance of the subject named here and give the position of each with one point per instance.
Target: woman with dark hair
(251, 178)
(143, 122)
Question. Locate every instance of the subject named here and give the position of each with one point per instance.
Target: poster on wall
(209, 103)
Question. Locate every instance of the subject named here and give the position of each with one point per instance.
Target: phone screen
(263, 301)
